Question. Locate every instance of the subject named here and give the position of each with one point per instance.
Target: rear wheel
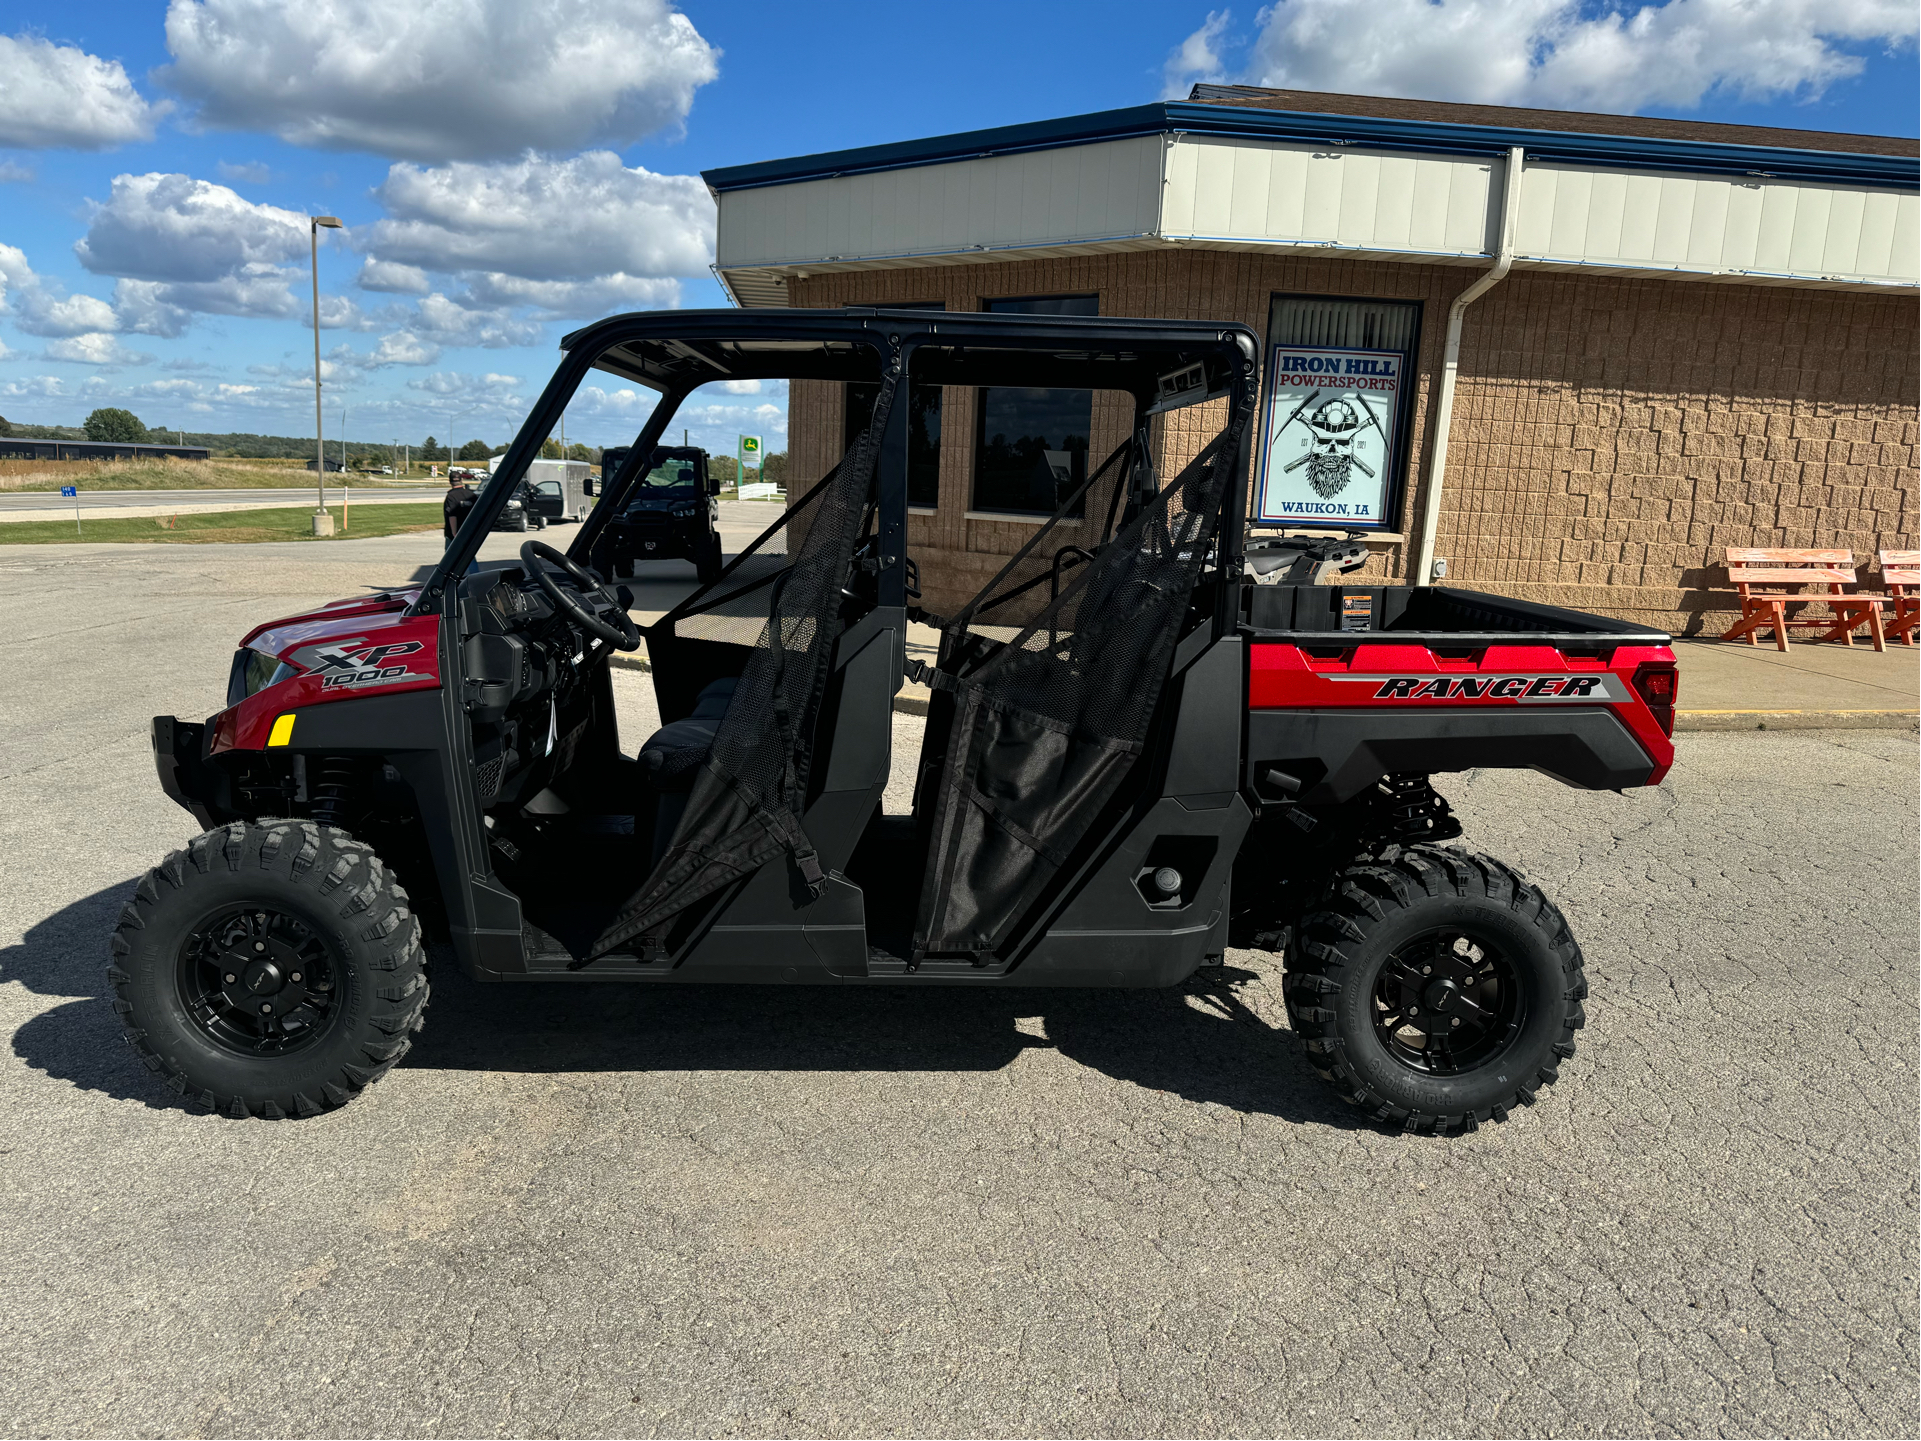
(271, 970)
(1435, 988)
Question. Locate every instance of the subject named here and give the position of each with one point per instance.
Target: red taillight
(1657, 682)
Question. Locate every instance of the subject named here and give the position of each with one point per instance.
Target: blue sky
(510, 168)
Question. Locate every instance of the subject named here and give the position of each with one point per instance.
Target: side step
(884, 964)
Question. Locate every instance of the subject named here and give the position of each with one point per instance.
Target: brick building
(1676, 336)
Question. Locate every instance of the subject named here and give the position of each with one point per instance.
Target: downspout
(1423, 572)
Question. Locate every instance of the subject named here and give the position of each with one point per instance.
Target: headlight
(253, 672)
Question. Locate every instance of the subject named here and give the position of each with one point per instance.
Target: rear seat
(674, 754)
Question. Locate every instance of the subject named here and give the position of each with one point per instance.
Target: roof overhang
(1178, 175)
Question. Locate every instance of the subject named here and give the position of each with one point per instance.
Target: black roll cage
(676, 352)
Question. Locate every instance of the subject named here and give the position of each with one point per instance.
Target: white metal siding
(1730, 226)
(1218, 193)
(1046, 197)
(1290, 194)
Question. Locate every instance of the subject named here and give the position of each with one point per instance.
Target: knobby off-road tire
(1481, 958)
(288, 917)
(708, 566)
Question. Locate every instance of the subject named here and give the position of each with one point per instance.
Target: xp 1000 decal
(354, 663)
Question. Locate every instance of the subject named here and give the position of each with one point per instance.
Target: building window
(1334, 415)
(923, 435)
(923, 424)
(1030, 444)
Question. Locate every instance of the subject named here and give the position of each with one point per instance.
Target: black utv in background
(670, 513)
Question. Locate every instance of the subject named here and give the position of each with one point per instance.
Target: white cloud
(1563, 53)
(94, 349)
(40, 312)
(401, 347)
(452, 323)
(340, 312)
(741, 387)
(601, 295)
(177, 228)
(142, 307)
(41, 307)
(4, 352)
(1195, 58)
(393, 278)
(36, 387)
(58, 95)
(247, 172)
(183, 245)
(591, 400)
(456, 79)
(446, 383)
(578, 219)
(13, 172)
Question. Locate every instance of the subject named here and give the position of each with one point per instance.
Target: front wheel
(270, 970)
(707, 568)
(1435, 988)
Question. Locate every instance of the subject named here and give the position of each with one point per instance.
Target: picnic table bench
(1901, 574)
(1752, 567)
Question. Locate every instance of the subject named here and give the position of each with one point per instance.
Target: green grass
(190, 475)
(222, 526)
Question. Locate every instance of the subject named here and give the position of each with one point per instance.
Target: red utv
(1148, 740)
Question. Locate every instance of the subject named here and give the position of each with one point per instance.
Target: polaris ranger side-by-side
(1148, 740)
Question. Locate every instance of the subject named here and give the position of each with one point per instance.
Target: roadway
(50, 505)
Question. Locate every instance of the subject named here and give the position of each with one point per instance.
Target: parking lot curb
(1795, 720)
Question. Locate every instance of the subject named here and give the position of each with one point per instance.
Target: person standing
(454, 508)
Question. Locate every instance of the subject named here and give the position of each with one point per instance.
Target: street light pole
(323, 524)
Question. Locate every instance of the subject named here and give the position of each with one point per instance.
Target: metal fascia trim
(1895, 172)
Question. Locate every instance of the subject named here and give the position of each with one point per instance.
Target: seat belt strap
(921, 673)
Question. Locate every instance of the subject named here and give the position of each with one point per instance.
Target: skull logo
(1330, 458)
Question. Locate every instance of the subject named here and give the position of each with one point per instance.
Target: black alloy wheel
(271, 969)
(1435, 988)
(258, 982)
(1447, 1002)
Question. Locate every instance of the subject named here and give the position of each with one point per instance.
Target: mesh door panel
(1047, 727)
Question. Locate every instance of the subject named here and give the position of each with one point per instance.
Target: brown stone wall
(1610, 437)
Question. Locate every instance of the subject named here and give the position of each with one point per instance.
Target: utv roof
(680, 349)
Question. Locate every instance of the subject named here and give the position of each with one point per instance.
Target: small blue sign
(71, 492)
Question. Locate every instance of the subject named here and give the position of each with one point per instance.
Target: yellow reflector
(282, 731)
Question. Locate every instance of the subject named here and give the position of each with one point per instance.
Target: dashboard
(529, 672)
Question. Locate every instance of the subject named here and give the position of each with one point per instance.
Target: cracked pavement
(600, 1210)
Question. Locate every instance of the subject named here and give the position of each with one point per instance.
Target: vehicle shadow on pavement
(79, 1042)
(1197, 1040)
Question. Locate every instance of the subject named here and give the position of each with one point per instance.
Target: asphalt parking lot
(602, 1210)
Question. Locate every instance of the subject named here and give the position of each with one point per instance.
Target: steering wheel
(535, 557)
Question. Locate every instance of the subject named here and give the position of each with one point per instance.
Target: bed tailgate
(1333, 716)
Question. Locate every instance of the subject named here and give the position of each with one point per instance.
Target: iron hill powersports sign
(1328, 435)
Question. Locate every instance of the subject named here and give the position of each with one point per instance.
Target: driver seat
(674, 754)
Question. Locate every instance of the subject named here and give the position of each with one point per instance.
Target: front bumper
(180, 757)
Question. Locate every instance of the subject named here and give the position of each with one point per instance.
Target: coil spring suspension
(333, 783)
(1413, 812)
